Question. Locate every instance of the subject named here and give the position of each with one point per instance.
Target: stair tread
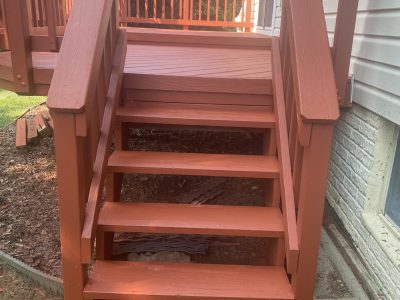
(229, 165)
(142, 280)
(191, 219)
(198, 115)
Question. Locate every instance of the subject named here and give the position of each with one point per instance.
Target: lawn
(13, 105)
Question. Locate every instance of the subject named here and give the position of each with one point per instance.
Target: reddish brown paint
(287, 99)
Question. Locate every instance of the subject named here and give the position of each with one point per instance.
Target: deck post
(71, 198)
(19, 42)
(3, 29)
(342, 45)
(311, 208)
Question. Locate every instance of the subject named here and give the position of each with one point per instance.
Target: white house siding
(375, 56)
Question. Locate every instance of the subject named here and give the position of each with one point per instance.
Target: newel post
(311, 207)
(17, 21)
(342, 45)
(72, 193)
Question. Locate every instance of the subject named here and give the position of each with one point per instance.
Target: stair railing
(83, 95)
(311, 108)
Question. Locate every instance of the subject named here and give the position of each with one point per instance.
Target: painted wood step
(160, 281)
(191, 219)
(227, 165)
(198, 115)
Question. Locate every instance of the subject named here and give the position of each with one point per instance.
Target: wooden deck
(218, 67)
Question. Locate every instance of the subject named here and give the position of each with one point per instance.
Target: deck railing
(185, 13)
(45, 19)
(311, 108)
(83, 97)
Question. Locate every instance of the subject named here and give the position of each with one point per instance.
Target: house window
(392, 206)
(265, 15)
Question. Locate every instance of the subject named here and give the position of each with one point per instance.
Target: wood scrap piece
(20, 137)
(47, 117)
(42, 127)
(32, 133)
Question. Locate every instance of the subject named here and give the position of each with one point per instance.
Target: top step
(198, 115)
(198, 38)
(162, 281)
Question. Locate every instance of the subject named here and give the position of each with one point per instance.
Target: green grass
(13, 105)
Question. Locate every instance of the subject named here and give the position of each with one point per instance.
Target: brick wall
(359, 162)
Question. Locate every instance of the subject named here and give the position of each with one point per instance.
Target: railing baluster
(146, 8)
(172, 9)
(233, 10)
(51, 25)
(163, 9)
(225, 9)
(40, 13)
(200, 9)
(154, 9)
(137, 9)
(34, 13)
(208, 9)
(242, 16)
(216, 10)
(248, 16)
(185, 13)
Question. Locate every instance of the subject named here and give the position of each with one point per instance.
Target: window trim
(373, 216)
(266, 30)
(392, 160)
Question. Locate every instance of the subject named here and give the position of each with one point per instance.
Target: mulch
(28, 199)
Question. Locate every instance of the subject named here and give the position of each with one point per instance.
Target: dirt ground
(28, 202)
(15, 287)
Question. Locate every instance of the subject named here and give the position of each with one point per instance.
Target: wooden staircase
(124, 280)
(116, 280)
(285, 99)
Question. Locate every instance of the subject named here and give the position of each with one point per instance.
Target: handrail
(286, 182)
(310, 56)
(342, 45)
(311, 109)
(82, 44)
(82, 99)
(100, 164)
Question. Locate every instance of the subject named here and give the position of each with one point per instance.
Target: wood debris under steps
(32, 127)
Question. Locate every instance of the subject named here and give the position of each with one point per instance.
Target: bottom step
(156, 281)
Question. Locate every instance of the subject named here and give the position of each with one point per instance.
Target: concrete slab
(335, 280)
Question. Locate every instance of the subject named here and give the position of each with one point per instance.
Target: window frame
(266, 30)
(393, 177)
